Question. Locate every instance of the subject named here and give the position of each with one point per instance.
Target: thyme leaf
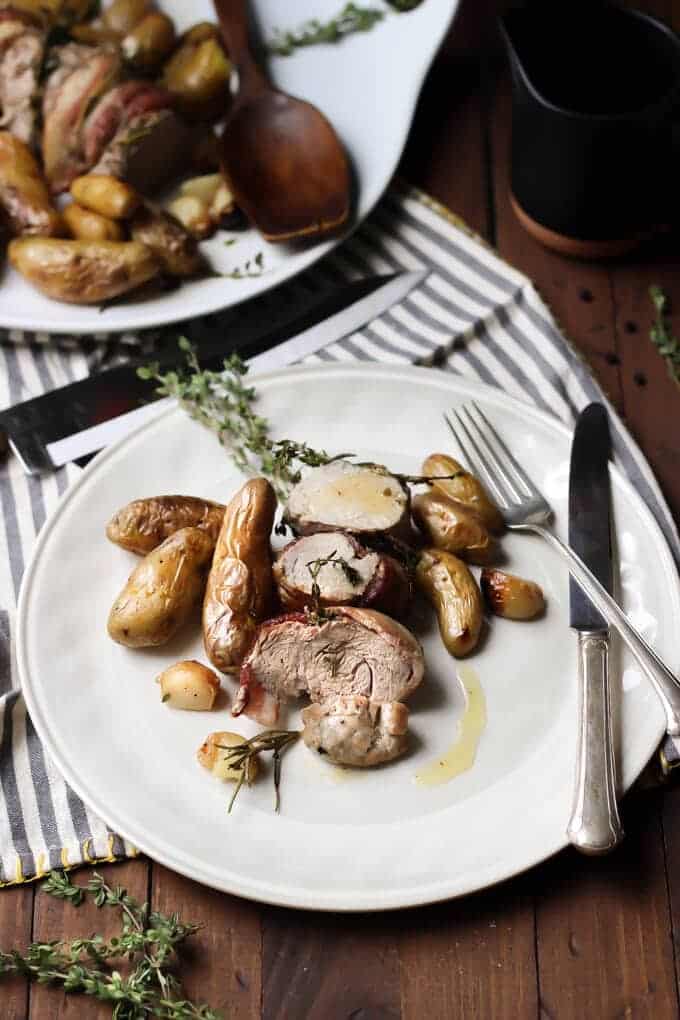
(314, 567)
(661, 333)
(352, 18)
(148, 939)
(224, 403)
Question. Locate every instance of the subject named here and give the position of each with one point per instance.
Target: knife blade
(82, 418)
(594, 826)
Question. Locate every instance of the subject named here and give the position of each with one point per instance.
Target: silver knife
(594, 826)
(84, 417)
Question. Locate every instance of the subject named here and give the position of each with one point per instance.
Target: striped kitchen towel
(474, 315)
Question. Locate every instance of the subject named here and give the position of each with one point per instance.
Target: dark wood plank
(223, 963)
(329, 967)
(604, 927)
(16, 917)
(471, 958)
(55, 919)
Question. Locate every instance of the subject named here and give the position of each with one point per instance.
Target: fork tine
(495, 465)
(520, 474)
(478, 462)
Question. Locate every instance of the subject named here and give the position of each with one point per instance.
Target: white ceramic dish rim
(300, 897)
(140, 318)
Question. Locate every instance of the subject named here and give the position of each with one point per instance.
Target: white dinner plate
(345, 839)
(367, 85)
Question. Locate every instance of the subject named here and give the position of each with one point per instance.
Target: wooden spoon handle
(233, 20)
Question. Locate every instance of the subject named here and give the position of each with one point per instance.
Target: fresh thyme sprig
(223, 403)
(314, 567)
(352, 18)
(239, 756)
(148, 940)
(661, 333)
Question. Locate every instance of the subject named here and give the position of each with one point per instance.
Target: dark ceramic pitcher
(595, 91)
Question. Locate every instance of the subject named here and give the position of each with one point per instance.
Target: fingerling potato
(24, 197)
(450, 526)
(169, 240)
(465, 488)
(106, 195)
(143, 524)
(452, 590)
(189, 685)
(511, 596)
(163, 591)
(85, 225)
(83, 272)
(149, 42)
(240, 585)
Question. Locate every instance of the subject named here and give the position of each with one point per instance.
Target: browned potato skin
(162, 591)
(198, 72)
(240, 585)
(105, 195)
(24, 197)
(149, 42)
(510, 596)
(122, 15)
(450, 526)
(465, 489)
(85, 225)
(171, 243)
(452, 590)
(83, 272)
(143, 524)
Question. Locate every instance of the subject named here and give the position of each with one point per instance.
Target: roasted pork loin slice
(22, 47)
(347, 651)
(81, 75)
(345, 572)
(116, 109)
(362, 499)
(351, 730)
(149, 151)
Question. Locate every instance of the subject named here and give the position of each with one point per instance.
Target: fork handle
(666, 685)
(594, 826)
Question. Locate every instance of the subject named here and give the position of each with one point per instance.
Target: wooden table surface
(588, 939)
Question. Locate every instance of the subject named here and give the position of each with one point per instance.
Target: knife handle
(594, 826)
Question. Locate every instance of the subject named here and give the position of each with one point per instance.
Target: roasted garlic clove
(510, 596)
(189, 685)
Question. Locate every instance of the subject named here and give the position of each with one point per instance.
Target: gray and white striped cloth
(473, 315)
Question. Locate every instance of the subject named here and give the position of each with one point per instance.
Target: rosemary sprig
(223, 403)
(661, 333)
(239, 756)
(148, 939)
(352, 18)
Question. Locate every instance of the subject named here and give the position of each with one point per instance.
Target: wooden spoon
(282, 159)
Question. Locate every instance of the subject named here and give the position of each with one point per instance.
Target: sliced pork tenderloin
(351, 730)
(81, 75)
(345, 572)
(347, 651)
(359, 498)
(116, 109)
(22, 49)
(149, 151)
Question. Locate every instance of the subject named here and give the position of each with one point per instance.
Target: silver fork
(524, 508)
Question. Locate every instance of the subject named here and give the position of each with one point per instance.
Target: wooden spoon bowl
(281, 157)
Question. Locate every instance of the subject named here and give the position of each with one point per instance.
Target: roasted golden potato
(85, 225)
(171, 243)
(198, 73)
(163, 591)
(24, 198)
(466, 489)
(189, 685)
(143, 524)
(147, 45)
(211, 755)
(450, 526)
(83, 272)
(240, 584)
(452, 590)
(511, 596)
(106, 195)
(122, 15)
(54, 12)
(193, 214)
